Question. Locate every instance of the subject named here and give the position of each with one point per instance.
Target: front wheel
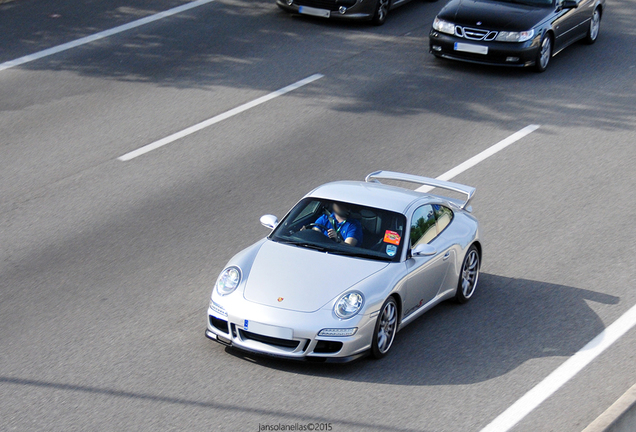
(595, 27)
(385, 329)
(469, 276)
(544, 54)
(381, 11)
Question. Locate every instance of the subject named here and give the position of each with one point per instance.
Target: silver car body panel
(288, 292)
(304, 286)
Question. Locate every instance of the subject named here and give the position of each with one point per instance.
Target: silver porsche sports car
(351, 264)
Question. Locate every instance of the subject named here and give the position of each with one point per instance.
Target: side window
(423, 228)
(443, 215)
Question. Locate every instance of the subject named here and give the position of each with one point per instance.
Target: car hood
(494, 15)
(300, 279)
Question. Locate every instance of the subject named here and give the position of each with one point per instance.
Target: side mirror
(424, 250)
(570, 4)
(269, 221)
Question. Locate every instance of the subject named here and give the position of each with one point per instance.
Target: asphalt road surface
(106, 267)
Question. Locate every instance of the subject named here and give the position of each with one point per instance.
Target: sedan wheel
(544, 54)
(385, 329)
(468, 277)
(595, 26)
(381, 11)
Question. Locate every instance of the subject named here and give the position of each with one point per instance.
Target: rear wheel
(469, 276)
(381, 11)
(544, 54)
(595, 27)
(385, 329)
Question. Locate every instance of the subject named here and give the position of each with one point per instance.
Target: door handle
(446, 255)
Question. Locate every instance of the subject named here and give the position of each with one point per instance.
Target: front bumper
(361, 10)
(233, 326)
(520, 54)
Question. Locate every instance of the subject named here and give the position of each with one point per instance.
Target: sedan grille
(329, 5)
(475, 34)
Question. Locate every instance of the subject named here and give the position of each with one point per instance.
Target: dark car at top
(513, 32)
(375, 11)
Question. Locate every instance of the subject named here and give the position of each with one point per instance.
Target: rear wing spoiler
(455, 187)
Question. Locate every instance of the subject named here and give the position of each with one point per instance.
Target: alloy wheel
(595, 24)
(386, 331)
(470, 274)
(546, 51)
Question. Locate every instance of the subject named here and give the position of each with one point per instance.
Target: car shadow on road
(508, 322)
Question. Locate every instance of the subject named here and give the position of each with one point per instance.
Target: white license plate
(470, 48)
(268, 330)
(306, 10)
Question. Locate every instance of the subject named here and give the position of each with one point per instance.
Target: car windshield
(375, 233)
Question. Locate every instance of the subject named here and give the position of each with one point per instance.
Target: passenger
(339, 228)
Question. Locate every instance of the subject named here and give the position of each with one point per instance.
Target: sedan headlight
(523, 36)
(349, 304)
(443, 26)
(228, 280)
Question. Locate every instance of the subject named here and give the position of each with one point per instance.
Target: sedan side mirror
(424, 250)
(570, 4)
(269, 221)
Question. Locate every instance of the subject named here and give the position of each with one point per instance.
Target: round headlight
(349, 304)
(228, 280)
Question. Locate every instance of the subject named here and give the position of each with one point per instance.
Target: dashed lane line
(218, 118)
(103, 34)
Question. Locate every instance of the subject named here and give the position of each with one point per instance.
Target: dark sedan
(513, 32)
(375, 11)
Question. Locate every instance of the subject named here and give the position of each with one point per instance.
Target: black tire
(595, 27)
(385, 329)
(544, 54)
(469, 276)
(381, 12)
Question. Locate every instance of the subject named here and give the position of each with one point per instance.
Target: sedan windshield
(343, 228)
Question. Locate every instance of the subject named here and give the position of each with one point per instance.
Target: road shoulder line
(620, 417)
(561, 375)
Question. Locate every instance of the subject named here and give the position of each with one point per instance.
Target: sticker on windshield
(392, 237)
(391, 250)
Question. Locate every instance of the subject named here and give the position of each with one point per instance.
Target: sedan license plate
(470, 48)
(324, 13)
(268, 330)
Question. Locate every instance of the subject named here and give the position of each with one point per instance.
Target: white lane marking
(482, 156)
(528, 402)
(101, 35)
(572, 366)
(209, 122)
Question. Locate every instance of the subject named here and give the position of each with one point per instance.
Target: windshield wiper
(302, 244)
(356, 254)
(345, 252)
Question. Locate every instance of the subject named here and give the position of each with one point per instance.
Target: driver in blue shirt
(340, 228)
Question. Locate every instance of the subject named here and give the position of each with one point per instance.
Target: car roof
(370, 194)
